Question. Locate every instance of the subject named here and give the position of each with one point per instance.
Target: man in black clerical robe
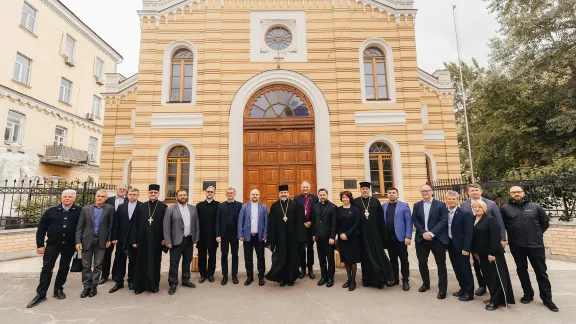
(148, 238)
(285, 232)
(376, 268)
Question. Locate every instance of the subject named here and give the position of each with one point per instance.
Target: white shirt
(185, 217)
(427, 206)
(451, 213)
(117, 202)
(254, 217)
(131, 208)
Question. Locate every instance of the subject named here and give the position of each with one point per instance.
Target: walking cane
(501, 283)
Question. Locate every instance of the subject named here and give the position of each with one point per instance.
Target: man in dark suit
(306, 202)
(93, 236)
(123, 220)
(115, 201)
(207, 244)
(227, 233)
(430, 217)
(324, 220)
(460, 232)
(253, 231)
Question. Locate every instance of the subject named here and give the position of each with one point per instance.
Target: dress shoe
(396, 282)
(155, 290)
(211, 278)
(59, 294)
(290, 283)
(115, 288)
(458, 293)
(235, 280)
(131, 286)
(172, 290)
(442, 295)
(248, 281)
(380, 286)
(491, 306)
(405, 286)
(480, 291)
(526, 299)
(202, 279)
(261, 282)
(311, 274)
(329, 283)
(486, 302)
(322, 281)
(302, 274)
(224, 281)
(137, 292)
(465, 298)
(346, 284)
(93, 292)
(423, 288)
(188, 284)
(282, 283)
(352, 285)
(37, 300)
(85, 293)
(391, 283)
(551, 306)
(102, 281)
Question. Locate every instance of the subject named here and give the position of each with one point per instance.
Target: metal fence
(22, 204)
(557, 195)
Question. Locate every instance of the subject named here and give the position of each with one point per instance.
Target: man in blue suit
(253, 231)
(430, 217)
(460, 231)
(398, 225)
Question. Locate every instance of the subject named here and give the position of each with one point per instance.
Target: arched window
(177, 174)
(279, 101)
(375, 83)
(181, 76)
(381, 168)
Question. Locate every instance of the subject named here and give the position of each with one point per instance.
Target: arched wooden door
(279, 144)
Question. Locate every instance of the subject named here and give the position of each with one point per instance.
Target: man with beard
(227, 232)
(376, 267)
(285, 227)
(325, 215)
(253, 231)
(207, 244)
(148, 237)
(306, 202)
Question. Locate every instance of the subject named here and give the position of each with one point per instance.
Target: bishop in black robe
(285, 232)
(147, 235)
(376, 268)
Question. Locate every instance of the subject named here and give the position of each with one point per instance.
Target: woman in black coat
(348, 233)
(488, 249)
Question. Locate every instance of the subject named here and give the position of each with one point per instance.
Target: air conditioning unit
(89, 116)
(99, 80)
(69, 60)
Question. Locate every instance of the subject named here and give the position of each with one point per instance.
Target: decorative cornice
(399, 10)
(68, 16)
(437, 82)
(32, 103)
(118, 86)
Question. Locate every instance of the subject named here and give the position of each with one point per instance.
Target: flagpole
(463, 96)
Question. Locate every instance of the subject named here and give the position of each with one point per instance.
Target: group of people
(361, 229)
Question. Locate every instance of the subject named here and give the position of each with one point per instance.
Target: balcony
(64, 156)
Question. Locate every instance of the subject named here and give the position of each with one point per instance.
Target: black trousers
(209, 270)
(439, 251)
(398, 250)
(184, 251)
(119, 268)
(229, 243)
(66, 252)
(107, 263)
(537, 258)
(478, 272)
(306, 253)
(326, 255)
(249, 247)
(462, 270)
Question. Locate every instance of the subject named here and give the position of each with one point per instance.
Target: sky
(117, 22)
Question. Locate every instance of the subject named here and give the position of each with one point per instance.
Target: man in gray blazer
(181, 231)
(93, 236)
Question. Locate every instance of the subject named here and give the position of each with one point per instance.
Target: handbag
(76, 263)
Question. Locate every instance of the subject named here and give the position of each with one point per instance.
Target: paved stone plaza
(303, 303)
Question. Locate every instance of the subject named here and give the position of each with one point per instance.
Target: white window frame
(98, 68)
(15, 134)
(28, 18)
(92, 149)
(63, 88)
(60, 139)
(424, 111)
(390, 79)
(96, 105)
(18, 66)
(167, 72)
(69, 49)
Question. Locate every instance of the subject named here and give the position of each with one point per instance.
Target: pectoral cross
(278, 59)
(150, 220)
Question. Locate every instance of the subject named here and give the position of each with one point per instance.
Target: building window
(278, 101)
(96, 101)
(375, 74)
(181, 79)
(28, 19)
(22, 69)
(381, 169)
(60, 136)
(98, 68)
(424, 110)
(178, 171)
(92, 149)
(65, 90)
(278, 38)
(14, 127)
(70, 44)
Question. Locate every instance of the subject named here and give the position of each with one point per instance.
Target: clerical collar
(229, 201)
(209, 200)
(323, 202)
(394, 203)
(365, 197)
(152, 201)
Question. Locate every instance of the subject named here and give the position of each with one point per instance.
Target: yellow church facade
(255, 93)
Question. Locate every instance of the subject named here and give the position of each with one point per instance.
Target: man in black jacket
(306, 202)
(526, 223)
(115, 201)
(324, 216)
(207, 244)
(227, 233)
(59, 222)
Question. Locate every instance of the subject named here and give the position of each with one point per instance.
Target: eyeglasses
(153, 192)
